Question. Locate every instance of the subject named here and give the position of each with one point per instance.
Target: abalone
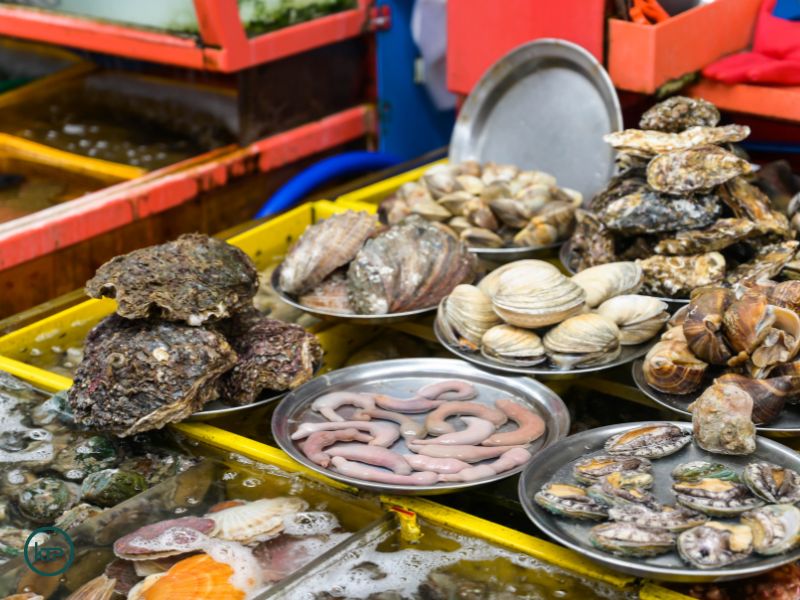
(714, 545)
(649, 441)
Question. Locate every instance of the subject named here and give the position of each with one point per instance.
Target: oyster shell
(670, 367)
(775, 484)
(700, 469)
(194, 279)
(323, 248)
(775, 528)
(591, 243)
(786, 294)
(769, 261)
(141, 375)
(649, 143)
(330, 295)
(639, 318)
(715, 497)
(715, 545)
(570, 501)
(746, 323)
(647, 211)
(410, 266)
(720, 235)
(621, 488)
(272, 355)
(514, 346)
(606, 281)
(593, 469)
(465, 316)
(679, 113)
(663, 517)
(748, 202)
(722, 420)
(702, 325)
(627, 539)
(582, 341)
(677, 276)
(687, 171)
(535, 294)
(649, 441)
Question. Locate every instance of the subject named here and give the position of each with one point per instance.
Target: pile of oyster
(185, 333)
(349, 264)
(616, 485)
(527, 312)
(489, 206)
(682, 206)
(744, 342)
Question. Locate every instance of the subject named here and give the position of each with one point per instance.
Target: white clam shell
(465, 315)
(584, 340)
(606, 281)
(511, 344)
(639, 318)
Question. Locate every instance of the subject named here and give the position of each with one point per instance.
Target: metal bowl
(328, 315)
(555, 464)
(217, 409)
(788, 423)
(503, 256)
(402, 377)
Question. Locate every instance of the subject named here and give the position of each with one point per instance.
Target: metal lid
(545, 105)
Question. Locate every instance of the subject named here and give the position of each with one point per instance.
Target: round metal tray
(507, 255)
(555, 464)
(217, 409)
(328, 315)
(628, 354)
(545, 105)
(787, 423)
(402, 377)
(563, 256)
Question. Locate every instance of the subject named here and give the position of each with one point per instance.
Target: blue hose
(328, 169)
(774, 147)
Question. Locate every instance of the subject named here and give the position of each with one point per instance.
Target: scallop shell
(585, 340)
(534, 296)
(256, 521)
(639, 318)
(99, 588)
(323, 248)
(606, 281)
(513, 346)
(465, 315)
(198, 577)
(165, 538)
(670, 366)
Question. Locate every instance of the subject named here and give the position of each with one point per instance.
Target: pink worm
(437, 465)
(409, 428)
(436, 422)
(530, 425)
(314, 446)
(368, 473)
(372, 455)
(452, 389)
(470, 454)
(328, 403)
(385, 434)
(475, 432)
(510, 459)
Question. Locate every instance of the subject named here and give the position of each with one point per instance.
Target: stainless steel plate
(787, 423)
(402, 377)
(506, 255)
(555, 464)
(344, 318)
(544, 369)
(217, 409)
(564, 257)
(545, 105)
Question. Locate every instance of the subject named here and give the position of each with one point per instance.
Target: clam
(775, 528)
(478, 237)
(257, 521)
(627, 539)
(431, 210)
(536, 235)
(662, 517)
(702, 325)
(769, 396)
(497, 172)
(526, 178)
(479, 214)
(773, 483)
(722, 419)
(782, 341)
(512, 345)
(583, 341)
(606, 281)
(440, 180)
(670, 366)
(639, 318)
(649, 441)
(454, 203)
(495, 191)
(558, 213)
(471, 184)
(571, 501)
(511, 212)
(715, 497)
(491, 283)
(746, 324)
(458, 224)
(465, 315)
(621, 488)
(700, 469)
(714, 545)
(592, 470)
(532, 295)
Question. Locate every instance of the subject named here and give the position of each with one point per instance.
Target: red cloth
(775, 58)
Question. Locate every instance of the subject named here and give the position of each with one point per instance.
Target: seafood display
(682, 206)
(528, 313)
(185, 333)
(348, 264)
(637, 504)
(488, 206)
(733, 352)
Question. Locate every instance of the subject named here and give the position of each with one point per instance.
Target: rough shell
(512, 345)
(257, 521)
(112, 486)
(715, 545)
(786, 294)
(627, 539)
(465, 316)
(45, 499)
(645, 211)
(664, 517)
(639, 318)
(782, 341)
(581, 341)
(606, 281)
(722, 420)
(591, 243)
(649, 441)
(702, 325)
(677, 276)
(769, 261)
(570, 501)
(746, 201)
(648, 143)
(776, 528)
(670, 367)
(679, 113)
(775, 484)
(193, 279)
(686, 171)
(723, 233)
(769, 396)
(592, 470)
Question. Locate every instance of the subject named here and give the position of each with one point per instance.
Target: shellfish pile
(682, 207)
(185, 332)
(742, 344)
(489, 206)
(348, 264)
(527, 312)
(617, 484)
(364, 445)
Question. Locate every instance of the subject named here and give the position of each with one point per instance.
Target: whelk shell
(702, 325)
(606, 281)
(670, 366)
(465, 315)
(639, 318)
(746, 323)
(513, 346)
(581, 341)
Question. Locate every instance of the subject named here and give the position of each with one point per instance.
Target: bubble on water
(35, 352)
(251, 482)
(180, 510)
(310, 523)
(74, 474)
(560, 593)
(56, 349)
(191, 501)
(229, 475)
(40, 434)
